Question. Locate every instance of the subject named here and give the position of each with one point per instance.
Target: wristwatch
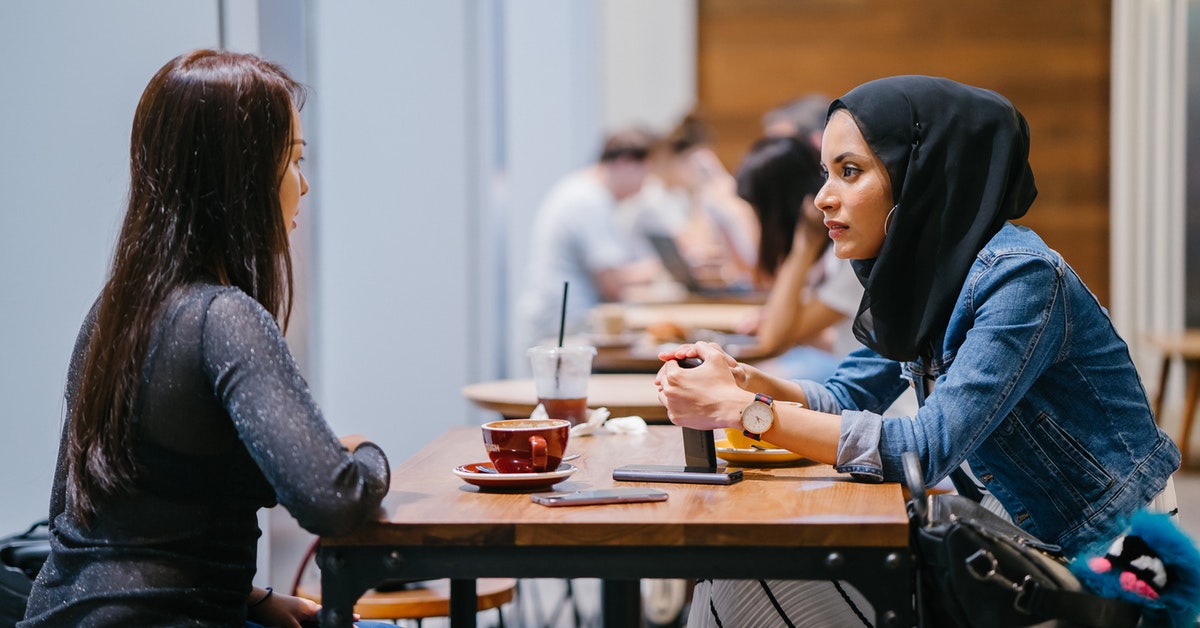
(758, 417)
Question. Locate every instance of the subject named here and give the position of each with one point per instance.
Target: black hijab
(958, 158)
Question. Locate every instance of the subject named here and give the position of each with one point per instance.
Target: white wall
(71, 73)
(649, 62)
(390, 211)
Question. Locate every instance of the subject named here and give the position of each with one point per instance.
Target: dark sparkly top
(225, 425)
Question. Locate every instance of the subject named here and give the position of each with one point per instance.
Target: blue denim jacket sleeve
(864, 385)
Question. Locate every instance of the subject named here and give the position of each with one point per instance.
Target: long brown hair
(211, 135)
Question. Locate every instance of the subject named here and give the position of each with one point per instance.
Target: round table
(624, 394)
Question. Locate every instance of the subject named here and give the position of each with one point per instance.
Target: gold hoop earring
(887, 221)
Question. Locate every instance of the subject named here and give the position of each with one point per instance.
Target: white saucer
(471, 474)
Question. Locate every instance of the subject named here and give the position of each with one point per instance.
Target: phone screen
(600, 496)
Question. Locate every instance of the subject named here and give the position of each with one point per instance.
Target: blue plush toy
(1155, 565)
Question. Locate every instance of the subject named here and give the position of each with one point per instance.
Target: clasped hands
(708, 397)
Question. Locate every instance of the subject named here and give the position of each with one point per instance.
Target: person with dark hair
(1031, 403)
(814, 295)
(185, 411)
(577, 238)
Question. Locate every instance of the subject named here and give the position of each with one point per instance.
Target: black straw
(562, 318)
(562, 324)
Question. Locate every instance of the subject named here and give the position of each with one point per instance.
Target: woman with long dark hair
(186, 413)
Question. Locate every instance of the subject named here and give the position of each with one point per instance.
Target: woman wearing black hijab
(1030, 397)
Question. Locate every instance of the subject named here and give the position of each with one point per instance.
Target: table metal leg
(464, 603)
(621, 602)
(337, 596)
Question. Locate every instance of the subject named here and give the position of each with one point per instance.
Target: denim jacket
(1033, 388)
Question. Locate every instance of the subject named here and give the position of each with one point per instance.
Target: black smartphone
(599, 496)
(679, 474)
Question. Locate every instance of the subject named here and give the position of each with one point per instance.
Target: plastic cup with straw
(561, 373)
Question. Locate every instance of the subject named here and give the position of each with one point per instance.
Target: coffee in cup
(526, 445)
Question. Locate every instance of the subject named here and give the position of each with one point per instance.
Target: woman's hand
(279, 609)
(706, 397)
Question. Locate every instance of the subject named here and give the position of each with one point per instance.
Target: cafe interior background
(436, 126)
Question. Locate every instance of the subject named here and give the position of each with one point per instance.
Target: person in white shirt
(576, 239)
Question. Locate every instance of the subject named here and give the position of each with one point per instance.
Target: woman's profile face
(294, 184)
(857, 194)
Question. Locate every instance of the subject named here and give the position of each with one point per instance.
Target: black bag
(21, 556)
(976, 569)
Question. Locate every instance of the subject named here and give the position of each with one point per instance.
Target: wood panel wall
(1051, 59)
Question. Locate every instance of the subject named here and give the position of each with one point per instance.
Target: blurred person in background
(803, 117)
(814, 295)
(576, 238)
(692, 197)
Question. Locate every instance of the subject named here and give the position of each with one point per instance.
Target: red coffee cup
(526, 445)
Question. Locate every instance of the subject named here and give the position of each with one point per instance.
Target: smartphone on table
(600, 496)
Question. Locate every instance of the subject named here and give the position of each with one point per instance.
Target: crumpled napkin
(626, 425)
(598, 419)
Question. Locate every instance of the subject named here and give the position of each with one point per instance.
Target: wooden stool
(418, 600)
(1187, 347)
(427, 599)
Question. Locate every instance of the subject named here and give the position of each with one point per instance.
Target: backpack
(21, 557)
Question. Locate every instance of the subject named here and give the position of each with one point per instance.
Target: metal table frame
(883, 575)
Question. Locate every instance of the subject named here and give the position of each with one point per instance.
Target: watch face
(757, 417)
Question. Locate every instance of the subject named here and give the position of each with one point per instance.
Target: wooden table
(798, 522)
(715, 316)
(623, 394)
(1187, 346)
(642, 359)
(626, 359)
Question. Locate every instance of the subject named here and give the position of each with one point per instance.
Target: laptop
(681, 271)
